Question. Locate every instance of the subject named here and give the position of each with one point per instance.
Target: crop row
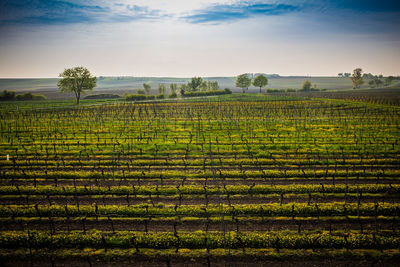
(148, 173)
(164, 240)
(297, 209)
(197, 190)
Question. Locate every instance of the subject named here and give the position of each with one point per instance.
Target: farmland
(239, 179)
(122, 85)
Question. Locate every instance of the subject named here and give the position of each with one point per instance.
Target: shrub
(173, 95)
(10, 96)
(141, 92)
(7, 95)
(228, 91)
(102, 96)
(26, 96)
(206, 93)
(275, 91)
(139, 97)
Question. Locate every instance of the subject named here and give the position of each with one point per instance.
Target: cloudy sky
(182, 38)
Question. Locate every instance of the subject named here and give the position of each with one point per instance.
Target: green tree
(7, 95)
(371, 83)
(356, 78)
(306, 85)
(203, 86)
(195, 83)
(389, 80)
(243, 81)
(173, 87)
(212, 85)
(161, 89)
(147, 88)
(76, 80)
(260, 81)
(378, 82)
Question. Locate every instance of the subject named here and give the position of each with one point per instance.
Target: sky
(208, 38)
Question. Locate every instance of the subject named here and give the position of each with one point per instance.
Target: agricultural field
(227, 181)
(122, 85)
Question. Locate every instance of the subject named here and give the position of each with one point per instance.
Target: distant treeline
(12, 96)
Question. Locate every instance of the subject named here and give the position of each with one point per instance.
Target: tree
(203, 86)
(368, 76)
(378, 82)
(389, 80)
(260, 81)
(371, 83)
(243, 81)
(161, 89)
(76, 80)
(375, 83)
(356, 78)
(173, 87)
(147, 88)
(195, 83)
(7, 95)
(306, 85)
(213, 86)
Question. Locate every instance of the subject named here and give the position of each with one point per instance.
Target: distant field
(121, 85)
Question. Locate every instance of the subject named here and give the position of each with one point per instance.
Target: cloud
(48, 12)
(219, 13)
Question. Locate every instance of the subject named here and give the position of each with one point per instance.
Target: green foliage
(356, 78)
(76, 80)
(228, 91)
(275, 90)
(389, 80)
(306, 86)
(196, 240)
(162, 89)
(141, 92)
(102, 96)
(243, 81)
(206, 93)
(11, 96)
(7, 95)
(173, 88)
(147, 88)
(139, 97)
(292, 163)
(376, 82)
(173, 95)
(260, 81)
(198, 190)
(195, 83)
